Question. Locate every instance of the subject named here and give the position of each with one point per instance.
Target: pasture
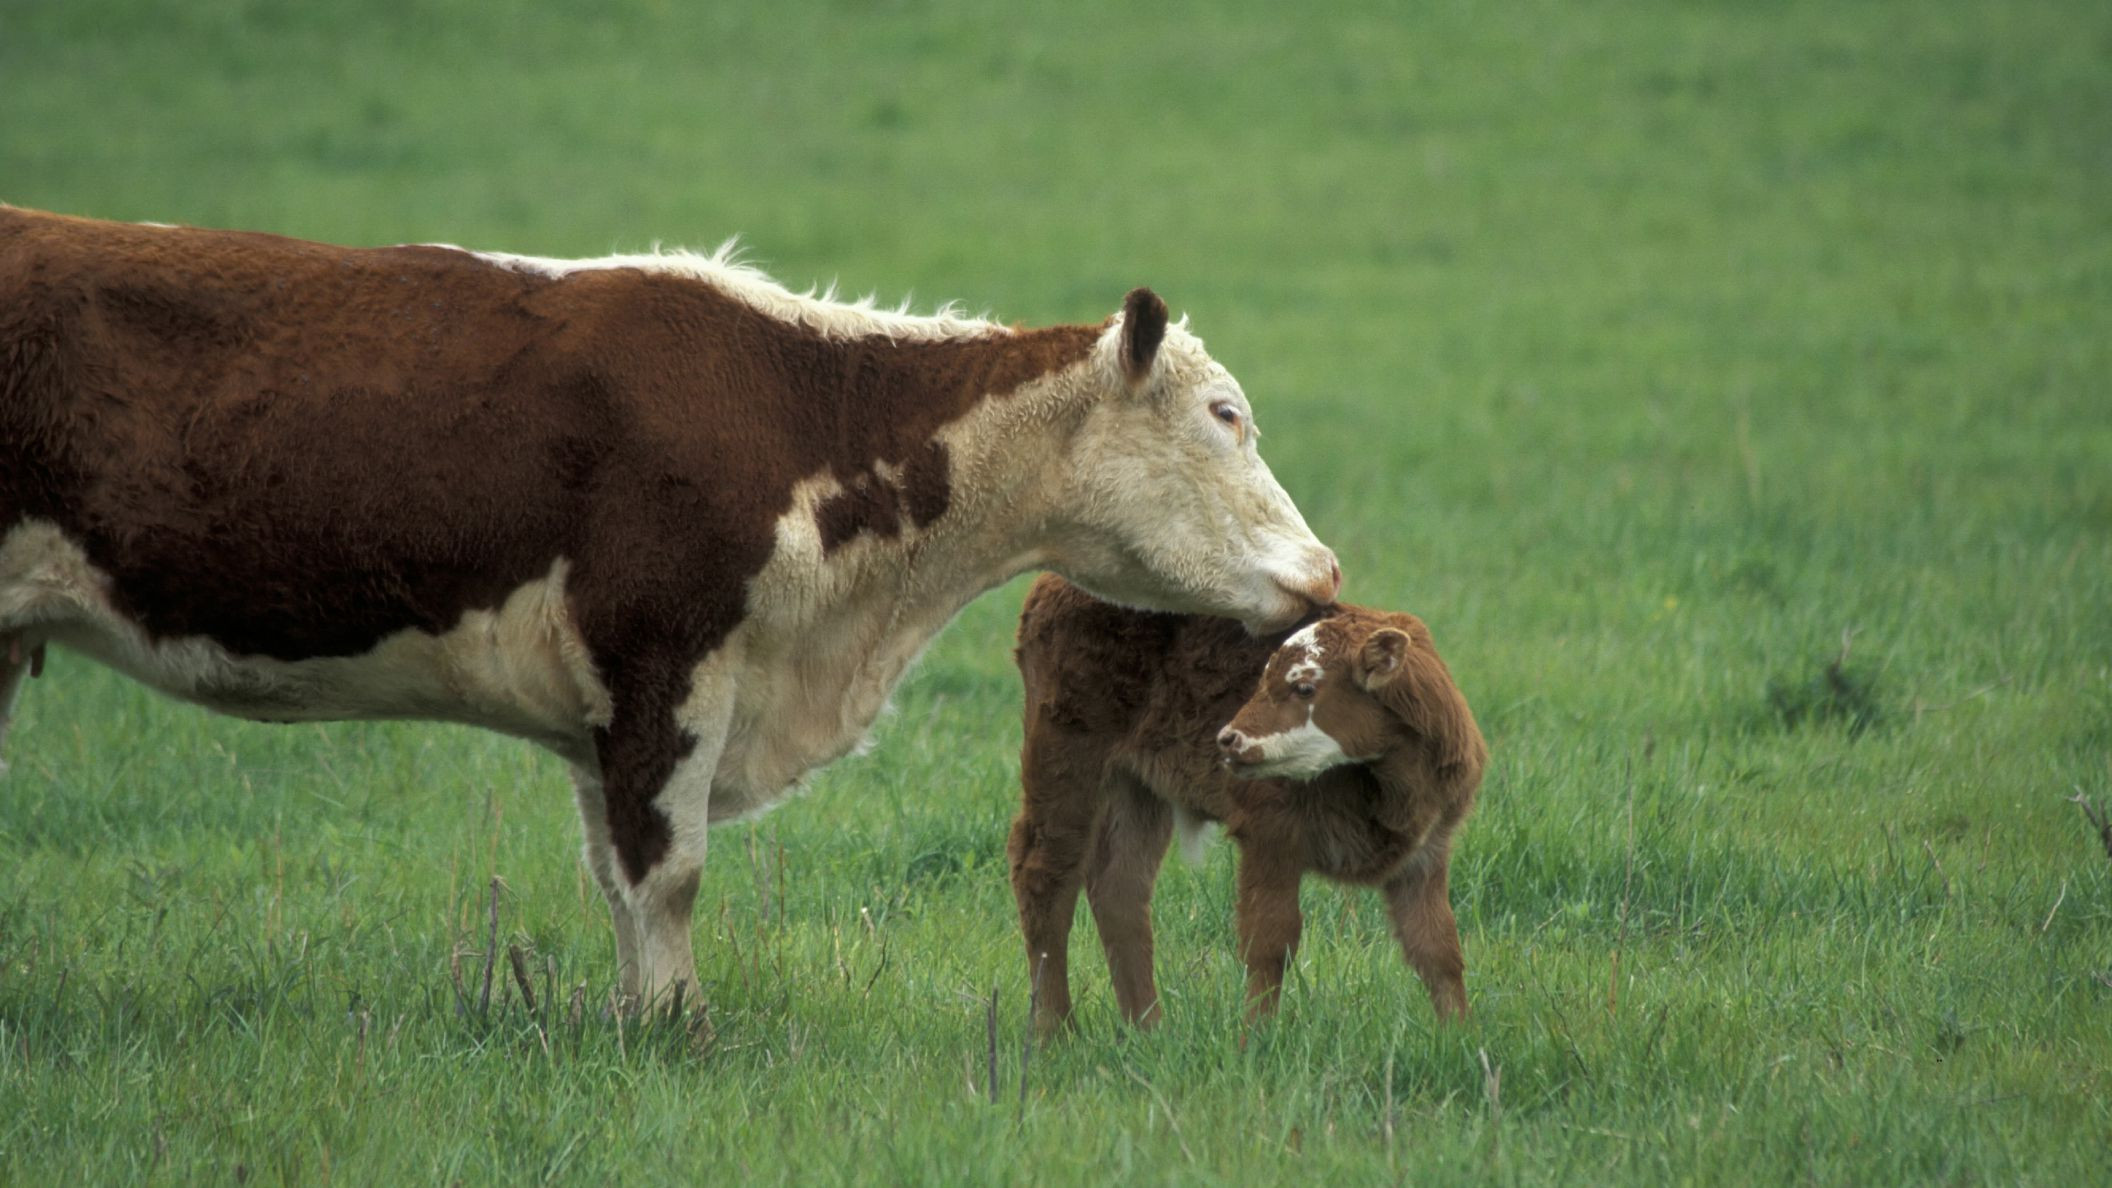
(1724, 384)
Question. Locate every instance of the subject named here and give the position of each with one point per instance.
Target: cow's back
(290, 448)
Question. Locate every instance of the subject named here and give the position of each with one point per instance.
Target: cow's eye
(1226, 412)
(1303, 690)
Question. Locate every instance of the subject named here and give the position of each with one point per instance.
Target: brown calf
(1355, 758)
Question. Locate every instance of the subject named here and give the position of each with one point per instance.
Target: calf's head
(1166, 503)
(1355, 687)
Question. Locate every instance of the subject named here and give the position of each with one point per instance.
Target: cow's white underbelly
(520, 668)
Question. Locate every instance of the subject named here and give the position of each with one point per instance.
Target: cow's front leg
(599, 854)
(656, 777)
(661, 908)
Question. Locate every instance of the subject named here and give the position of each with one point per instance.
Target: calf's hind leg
(1060, 781)
(1125, 863)
(1420, 902)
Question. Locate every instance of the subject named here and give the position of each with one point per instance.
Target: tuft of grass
(1834, 694)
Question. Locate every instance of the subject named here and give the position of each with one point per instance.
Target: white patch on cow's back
(520, 667)
(820, 311)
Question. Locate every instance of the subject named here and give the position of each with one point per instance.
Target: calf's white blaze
(1311, 665)
(1299, 753)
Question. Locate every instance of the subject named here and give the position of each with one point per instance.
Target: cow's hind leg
(1118, 882)
(17, 658)
(600, 857)
(1420, 901)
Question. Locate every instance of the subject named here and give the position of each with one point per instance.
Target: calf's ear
(1143, 329)
(1381, 657)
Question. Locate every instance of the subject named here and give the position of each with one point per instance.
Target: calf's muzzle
(1236, 748)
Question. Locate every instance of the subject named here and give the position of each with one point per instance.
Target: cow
(677, 524)
(1343, 749)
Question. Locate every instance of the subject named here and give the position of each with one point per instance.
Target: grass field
(1660, 355)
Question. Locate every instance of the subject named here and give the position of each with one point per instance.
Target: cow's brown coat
(1123, 712)
(166, 391)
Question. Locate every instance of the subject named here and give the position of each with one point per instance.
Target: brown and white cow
(680, 526)
(1343, 749)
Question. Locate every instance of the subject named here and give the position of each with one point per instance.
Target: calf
(1354, 757)
(681, 526)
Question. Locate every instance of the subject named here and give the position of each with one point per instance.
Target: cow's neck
(831, 631)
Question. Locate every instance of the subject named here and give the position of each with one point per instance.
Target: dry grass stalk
(990, 1028)
(519, 962)
(2100, 821)
(1613, 979)
(1930, 850)
(1492, 1085)
(1026, 1042)
(491, 951)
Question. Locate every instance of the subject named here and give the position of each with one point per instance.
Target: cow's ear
(1380, 659)
(1143, 329)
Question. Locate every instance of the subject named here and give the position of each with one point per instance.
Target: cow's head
(1167, 504)
(1351, 688)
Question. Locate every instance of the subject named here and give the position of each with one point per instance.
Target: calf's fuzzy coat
(1343, 749)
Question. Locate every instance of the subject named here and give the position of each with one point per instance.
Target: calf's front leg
(1269, 924)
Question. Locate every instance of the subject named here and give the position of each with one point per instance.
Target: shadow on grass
(1834, 693)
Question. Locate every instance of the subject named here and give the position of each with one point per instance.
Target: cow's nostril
(1229, 741)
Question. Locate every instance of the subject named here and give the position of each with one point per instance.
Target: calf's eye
(1226, 413)
(1303, 689)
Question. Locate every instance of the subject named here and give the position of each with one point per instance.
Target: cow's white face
(1169, 505)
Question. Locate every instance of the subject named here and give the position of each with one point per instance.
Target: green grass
(1646, 350)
